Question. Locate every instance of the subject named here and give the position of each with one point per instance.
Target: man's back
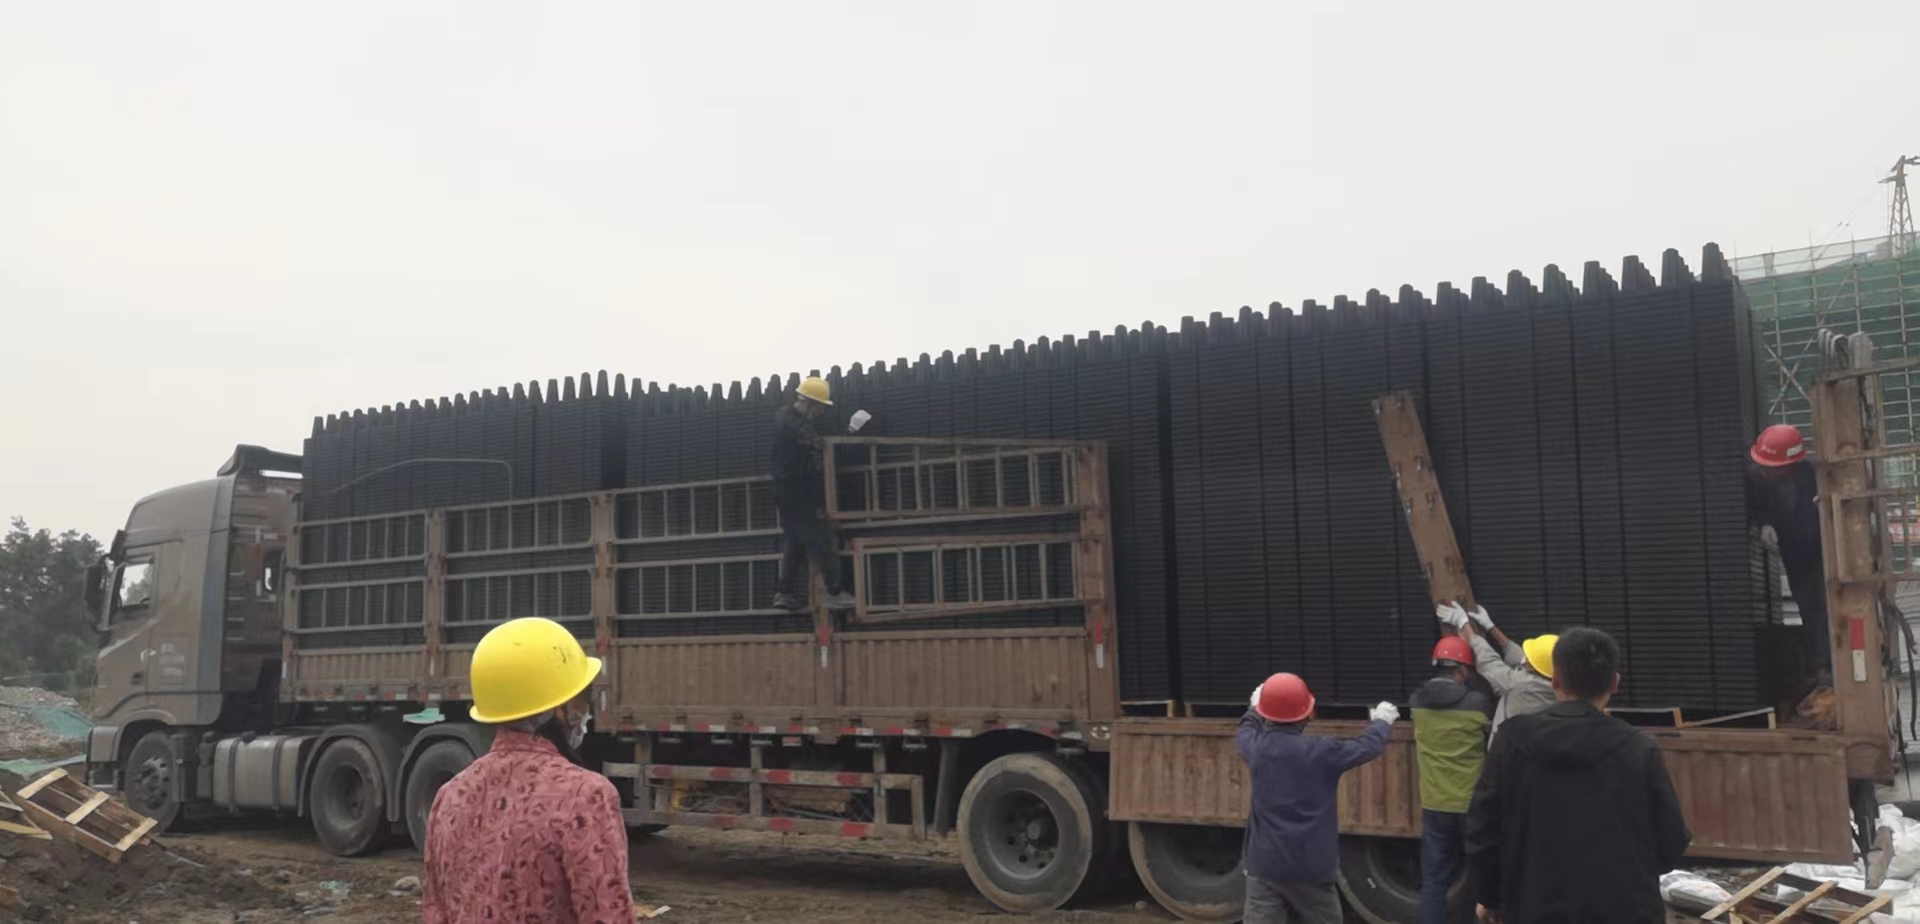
(1292, 831)
(1574, 819)
(522, 834)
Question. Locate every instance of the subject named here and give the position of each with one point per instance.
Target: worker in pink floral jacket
(525, 833)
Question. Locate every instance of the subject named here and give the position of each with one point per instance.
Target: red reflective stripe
(1857, 633)
(780, 824)
(848, 779)
(942, 731)
(721, 773)
(855, 829)
(779, 776)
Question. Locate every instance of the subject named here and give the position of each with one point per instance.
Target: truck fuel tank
(261, 772)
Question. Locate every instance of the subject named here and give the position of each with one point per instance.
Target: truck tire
(1108, 875)
(150, 774)
(1380, 877)
(435, 766)
(1031, 835)
(1191, 870)
(347, 796)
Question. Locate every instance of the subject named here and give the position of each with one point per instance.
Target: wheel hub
(1027, 839)
(153, 783)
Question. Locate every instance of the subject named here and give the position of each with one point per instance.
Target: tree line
(47, 636)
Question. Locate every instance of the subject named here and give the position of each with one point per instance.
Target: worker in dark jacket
(1781, 491)
(800, 491)
(1293, 837)
(1574, 819)
(1450, 722)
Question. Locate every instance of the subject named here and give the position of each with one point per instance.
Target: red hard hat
(1284, 698)
(1452, 648)
(1779, 445)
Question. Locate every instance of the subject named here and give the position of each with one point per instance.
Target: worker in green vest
(1450, 721)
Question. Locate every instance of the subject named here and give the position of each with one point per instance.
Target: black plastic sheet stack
(1590, 439)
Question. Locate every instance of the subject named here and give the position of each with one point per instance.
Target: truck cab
(188, 612)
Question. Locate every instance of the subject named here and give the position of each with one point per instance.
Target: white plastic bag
(858, 420)
(1905, 863)
(1692, 886)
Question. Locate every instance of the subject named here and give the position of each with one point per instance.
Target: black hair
(1585, 661)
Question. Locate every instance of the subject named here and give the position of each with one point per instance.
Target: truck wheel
(1031, 833)
(1380, 876)
(1107, 876)
(439, 763)
(348, 798)
(1191, 870)
(150, 771)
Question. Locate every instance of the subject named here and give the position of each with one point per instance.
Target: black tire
(1108, 876)
(435, 766)
(1380, 878)
(1031, 835)
(1192, 871)
(347, 796)
(150, 772)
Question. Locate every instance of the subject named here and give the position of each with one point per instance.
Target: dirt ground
(259, 872)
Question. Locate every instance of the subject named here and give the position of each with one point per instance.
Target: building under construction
(1870, 286)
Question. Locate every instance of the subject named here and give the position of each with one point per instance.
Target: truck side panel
(1771, 797)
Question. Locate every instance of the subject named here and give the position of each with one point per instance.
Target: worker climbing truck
(292, 636)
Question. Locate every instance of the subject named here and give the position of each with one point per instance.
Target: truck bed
(1772, 796)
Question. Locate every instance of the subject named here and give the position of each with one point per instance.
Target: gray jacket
(1521, 691)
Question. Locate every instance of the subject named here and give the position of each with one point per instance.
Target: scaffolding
(1867, 286)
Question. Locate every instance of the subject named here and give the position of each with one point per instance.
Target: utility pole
(1900, 211)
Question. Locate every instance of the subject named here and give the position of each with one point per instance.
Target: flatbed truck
(220, 686)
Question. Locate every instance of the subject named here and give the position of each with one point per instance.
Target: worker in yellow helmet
(800, 491)
(1522, 675)
(525, 833)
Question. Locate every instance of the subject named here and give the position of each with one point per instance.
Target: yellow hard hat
(524, 667)
(817, 390)
(1539, 650)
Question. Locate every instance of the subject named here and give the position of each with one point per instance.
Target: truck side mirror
(95, 593)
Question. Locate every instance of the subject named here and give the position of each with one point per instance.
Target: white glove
(858, 420)
(1451, 615)
(1385, 712)
(1481, 618)
(1255, 700)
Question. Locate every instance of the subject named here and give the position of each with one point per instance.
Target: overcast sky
(219, 220)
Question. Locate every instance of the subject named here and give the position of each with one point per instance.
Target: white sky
(219, 220)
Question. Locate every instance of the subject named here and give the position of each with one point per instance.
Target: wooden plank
(24, 830)
(1716, 720)
(26, 792)
(1753, 888)
(134, 836)
(86, 808)
(1805, 901)
(1868, 910)
(55, 823)
(1420, 498)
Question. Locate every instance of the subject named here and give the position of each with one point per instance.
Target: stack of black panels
(1590, 440)
(1590, 443)
(477, 448)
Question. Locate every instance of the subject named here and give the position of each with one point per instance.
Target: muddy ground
(259, 872)
(263, 872)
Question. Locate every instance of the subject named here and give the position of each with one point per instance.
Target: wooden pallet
(14, 820)
(65, 806)
(1750, 906)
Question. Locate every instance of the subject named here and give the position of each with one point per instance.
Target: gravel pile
(31, 726)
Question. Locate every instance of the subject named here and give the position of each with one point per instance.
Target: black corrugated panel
(1312, 498)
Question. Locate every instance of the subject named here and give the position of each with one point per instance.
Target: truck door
(125, 668)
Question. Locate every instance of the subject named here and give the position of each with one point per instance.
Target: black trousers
(804, 538)
(1809, 586)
